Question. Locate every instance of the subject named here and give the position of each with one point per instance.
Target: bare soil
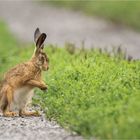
(33, 128)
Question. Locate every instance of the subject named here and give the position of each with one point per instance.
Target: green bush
(93, 94)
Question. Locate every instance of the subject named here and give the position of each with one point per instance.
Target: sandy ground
(66, 26)
(32, 128)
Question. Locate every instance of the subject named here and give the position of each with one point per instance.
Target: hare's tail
(0, 96)
(3, 101)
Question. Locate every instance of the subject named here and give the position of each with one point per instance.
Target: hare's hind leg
(6, 102)
(22, 112)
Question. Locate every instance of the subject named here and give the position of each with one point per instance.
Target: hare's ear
(40, 41)
(36, 34)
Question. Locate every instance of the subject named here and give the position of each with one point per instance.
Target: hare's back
(19, 70)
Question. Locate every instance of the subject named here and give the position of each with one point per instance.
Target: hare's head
(40, 57)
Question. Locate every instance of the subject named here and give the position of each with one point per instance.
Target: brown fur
(20, 80)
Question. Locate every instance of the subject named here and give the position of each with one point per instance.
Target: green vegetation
(93, 94)
(11, 51)
(124, 12)
(89, 92)
(7, 48)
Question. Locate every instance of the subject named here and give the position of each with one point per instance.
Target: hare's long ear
(36, 34)
(40, 43)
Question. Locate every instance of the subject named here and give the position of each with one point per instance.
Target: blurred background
(89, 92)
(90, 23)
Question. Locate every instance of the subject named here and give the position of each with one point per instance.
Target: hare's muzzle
(48, 68)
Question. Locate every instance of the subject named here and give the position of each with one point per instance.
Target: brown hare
(18, 83)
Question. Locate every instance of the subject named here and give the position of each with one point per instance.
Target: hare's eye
(42, 58)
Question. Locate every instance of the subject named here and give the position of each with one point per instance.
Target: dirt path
(32, 128)
(61, 26)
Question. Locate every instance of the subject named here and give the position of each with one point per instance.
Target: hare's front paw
(45, 88)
